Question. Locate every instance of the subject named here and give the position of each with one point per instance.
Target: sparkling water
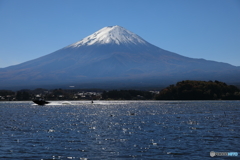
(119, 130)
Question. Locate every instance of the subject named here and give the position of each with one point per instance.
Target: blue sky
(208, 29)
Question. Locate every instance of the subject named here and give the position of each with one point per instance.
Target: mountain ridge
(111, 34)
(110, 55)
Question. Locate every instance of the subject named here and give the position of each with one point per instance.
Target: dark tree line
(6, 92)
(55, 94)
(184, 90)
(199, 90)
(19, 95)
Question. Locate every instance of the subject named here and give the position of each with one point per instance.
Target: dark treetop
(200, 90)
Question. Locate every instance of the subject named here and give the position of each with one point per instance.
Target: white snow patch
(113, 34)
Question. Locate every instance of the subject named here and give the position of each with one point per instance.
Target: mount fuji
(113, 57)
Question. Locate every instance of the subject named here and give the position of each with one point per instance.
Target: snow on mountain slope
(112, 34)
(114, 54)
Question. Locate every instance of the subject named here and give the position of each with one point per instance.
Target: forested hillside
(199, 90)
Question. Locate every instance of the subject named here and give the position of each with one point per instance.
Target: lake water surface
(119, 130)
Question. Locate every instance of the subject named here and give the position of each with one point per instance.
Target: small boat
(40, 102)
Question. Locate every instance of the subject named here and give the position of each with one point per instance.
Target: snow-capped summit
(113, 57)
(111, 35)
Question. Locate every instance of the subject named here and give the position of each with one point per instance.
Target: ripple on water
(119, 129)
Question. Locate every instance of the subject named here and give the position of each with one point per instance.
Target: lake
(119, 130)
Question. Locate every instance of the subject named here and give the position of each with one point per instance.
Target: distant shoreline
(184, 90)
(121, 100)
